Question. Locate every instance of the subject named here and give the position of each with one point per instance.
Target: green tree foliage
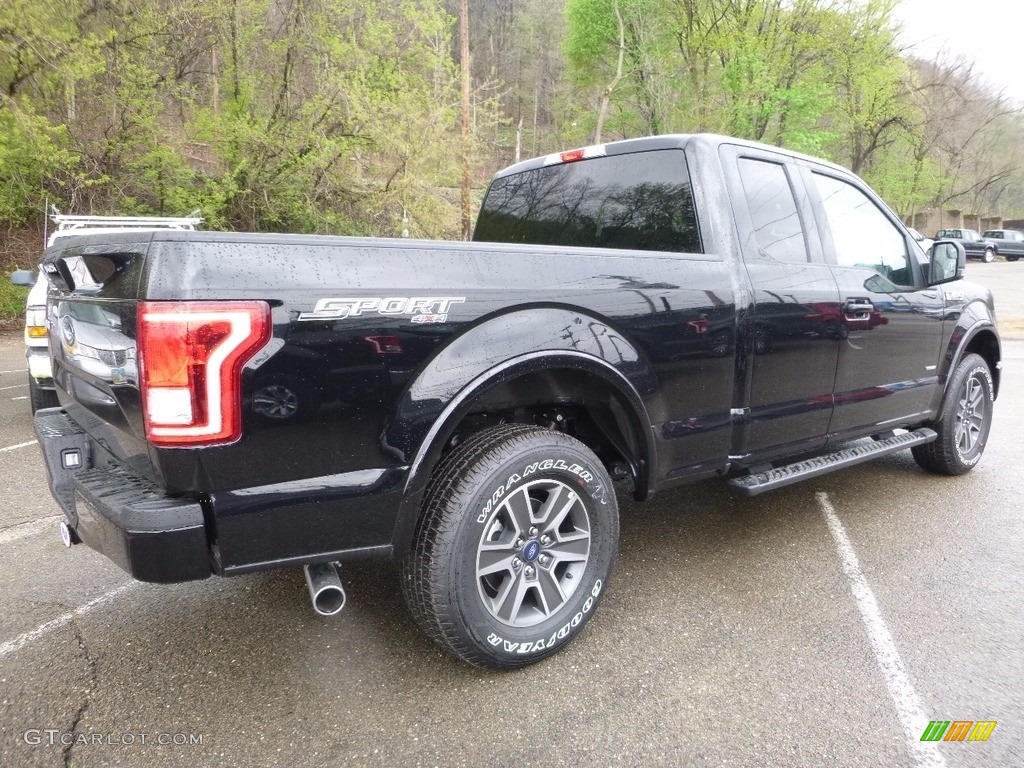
(759, 69)
(33, 153)
(297, 115)
(342, 116)
(343, 119)
(43, 53)
(821, 77)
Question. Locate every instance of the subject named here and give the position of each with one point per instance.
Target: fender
(974, 319)
(501, 348)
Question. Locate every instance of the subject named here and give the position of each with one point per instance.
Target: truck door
(793, 328)
(891, 322)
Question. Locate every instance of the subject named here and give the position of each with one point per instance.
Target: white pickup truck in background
(37, 345)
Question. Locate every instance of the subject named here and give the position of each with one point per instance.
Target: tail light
(191, 355)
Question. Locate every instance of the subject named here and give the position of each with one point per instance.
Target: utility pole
(466, 143)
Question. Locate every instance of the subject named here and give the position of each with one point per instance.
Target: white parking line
(27, 637)
(15, 386)
(32, 527)
(19, 370)
(908, 705)
(16, 447)
(23, 397)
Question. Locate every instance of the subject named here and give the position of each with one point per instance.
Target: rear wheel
(514, 546)
(964, 422)
(1012, 258)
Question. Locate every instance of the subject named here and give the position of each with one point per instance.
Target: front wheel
(514, 546)
(989, 256)
(964, 422)
(39, 398)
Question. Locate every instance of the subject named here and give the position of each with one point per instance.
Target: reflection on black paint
(594, 203)
(825, 320)
(772, 207)
(93, 338)
(321, 366)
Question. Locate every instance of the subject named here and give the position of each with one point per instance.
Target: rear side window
(772, 209)
(640, 201)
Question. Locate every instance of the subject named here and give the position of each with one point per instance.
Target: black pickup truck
(650, 311)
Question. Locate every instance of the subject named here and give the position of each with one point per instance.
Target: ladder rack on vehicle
(65, 222)
(69, 225)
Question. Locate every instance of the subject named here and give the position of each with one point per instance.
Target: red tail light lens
(191, 355)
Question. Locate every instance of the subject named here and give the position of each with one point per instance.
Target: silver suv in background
(977, 247)
(42, 393)
(1009, 242)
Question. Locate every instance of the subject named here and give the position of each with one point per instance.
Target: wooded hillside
(342, 116)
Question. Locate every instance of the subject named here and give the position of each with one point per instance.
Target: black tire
(1012, 258)
(40, 398)
(964, 421)
(461, 573)
(989, 256)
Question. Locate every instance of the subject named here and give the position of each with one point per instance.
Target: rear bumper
(150, 535)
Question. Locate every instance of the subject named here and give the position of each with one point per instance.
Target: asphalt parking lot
(820, 624)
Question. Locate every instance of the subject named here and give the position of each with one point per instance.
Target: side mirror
(26, 277)
(946, 262)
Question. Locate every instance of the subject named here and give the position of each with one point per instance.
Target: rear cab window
(637, 201)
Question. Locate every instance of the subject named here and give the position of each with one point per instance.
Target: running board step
(751, 485)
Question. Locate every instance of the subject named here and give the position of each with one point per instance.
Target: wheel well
(578, 403)
(986, 345)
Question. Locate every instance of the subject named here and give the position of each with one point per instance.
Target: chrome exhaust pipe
(325, 589)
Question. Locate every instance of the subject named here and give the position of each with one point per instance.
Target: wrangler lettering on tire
(514, 546)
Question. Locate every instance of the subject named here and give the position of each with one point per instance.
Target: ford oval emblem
(531, 551)
(67, 331)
